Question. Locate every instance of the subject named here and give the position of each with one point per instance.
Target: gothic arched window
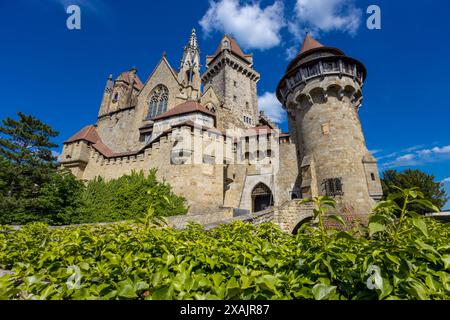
(158, 101)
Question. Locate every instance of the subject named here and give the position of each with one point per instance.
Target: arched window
(158, 101)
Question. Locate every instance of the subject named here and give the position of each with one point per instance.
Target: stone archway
(300, 224)
(262, 197)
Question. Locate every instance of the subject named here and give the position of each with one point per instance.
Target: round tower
(322, 92)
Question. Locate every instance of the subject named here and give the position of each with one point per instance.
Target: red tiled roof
(234, 46)
(125, 76)
(184, 108)
(88, 133)
(310, 43)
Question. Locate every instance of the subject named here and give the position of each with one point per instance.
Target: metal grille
(333, 187)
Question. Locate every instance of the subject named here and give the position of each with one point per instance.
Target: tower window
(247, 104)
(372, 175)
(235, 83)
(234, 98)
(247, 120)
(333, 187)
(116, 96)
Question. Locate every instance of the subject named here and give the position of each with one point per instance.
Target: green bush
(128, 197)
(399, 256)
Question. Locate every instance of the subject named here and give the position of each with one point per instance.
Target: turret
(322, 92)
(104, 107)
(120, 93)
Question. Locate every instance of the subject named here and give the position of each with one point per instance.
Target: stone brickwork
(322, 91)
(234, 82)
(292, 214)
(251, 170)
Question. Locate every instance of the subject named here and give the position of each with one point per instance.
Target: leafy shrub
(128, 197)
(397, 258)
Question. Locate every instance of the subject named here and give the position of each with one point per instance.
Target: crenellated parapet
(228, 59)
(322, 92)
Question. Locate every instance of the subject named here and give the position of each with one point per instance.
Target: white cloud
(418, 157)
(446, 180)
(253, 27)
(271, 107)
(318, 16)
(291, 52)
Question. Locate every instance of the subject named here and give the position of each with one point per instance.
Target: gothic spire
(193, 40)
(191, 55)
(189, 73)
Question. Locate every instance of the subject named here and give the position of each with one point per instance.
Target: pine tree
(26, 164)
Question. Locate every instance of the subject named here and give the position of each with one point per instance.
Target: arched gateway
(262, 197)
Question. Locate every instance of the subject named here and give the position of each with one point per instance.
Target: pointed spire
(310, 43)
(193, 40)
(191, 52)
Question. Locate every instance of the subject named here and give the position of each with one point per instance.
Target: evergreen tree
(433, 191)
(26, 165)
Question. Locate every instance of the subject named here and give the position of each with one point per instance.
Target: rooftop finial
(193, 39)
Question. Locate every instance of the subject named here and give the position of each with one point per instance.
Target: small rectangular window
(234, 98)
(333, 187)
(372, 175)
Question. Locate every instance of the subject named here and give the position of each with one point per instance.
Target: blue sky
(58, 74)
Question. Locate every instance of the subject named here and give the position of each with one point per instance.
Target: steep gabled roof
(163, 60)
(234, 48)
(88, 133)
(184, 108)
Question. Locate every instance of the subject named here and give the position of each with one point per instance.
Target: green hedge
(402, 258)
(64, 200)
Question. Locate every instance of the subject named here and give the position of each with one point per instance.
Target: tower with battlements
(322, 93)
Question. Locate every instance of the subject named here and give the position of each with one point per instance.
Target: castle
(205, 136)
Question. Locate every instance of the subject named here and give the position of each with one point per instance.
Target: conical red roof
(310, 43)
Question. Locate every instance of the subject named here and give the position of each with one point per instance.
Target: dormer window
(226, 44)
